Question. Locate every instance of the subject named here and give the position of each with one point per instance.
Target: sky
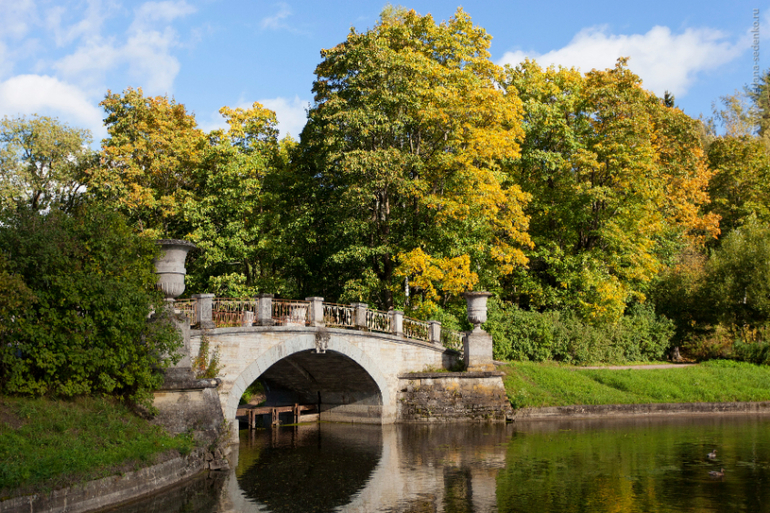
(60, 58)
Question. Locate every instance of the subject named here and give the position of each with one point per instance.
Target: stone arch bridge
(356, 364)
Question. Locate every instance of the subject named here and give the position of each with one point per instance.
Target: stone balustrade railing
(207, 311)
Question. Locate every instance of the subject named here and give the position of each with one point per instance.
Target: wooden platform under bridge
(251, 413)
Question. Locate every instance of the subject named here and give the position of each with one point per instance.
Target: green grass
(550, 384)
(46, 444)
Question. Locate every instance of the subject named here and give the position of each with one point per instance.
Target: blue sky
(59, 58)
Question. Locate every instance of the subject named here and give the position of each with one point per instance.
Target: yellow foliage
(450, 275)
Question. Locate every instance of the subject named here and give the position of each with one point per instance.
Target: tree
(403, 148)
(738, 276)
(42, 162)
(740, 187)
(148, 161)
(233, 215)
(85, 330)
(613, 172)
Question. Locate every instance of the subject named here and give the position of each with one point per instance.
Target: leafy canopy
(42, 162)
(612, 171)
(404, 144)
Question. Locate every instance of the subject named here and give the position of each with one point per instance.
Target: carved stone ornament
(169, 266)
(321, 342)
(477, 308)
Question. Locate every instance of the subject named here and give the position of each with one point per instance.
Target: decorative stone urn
(477, 308)
(478, 343)
(169, 266)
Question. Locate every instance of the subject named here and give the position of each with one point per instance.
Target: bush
(640, 335)
(86, 328)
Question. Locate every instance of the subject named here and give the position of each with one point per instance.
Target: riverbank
(538, 385)
(48, 445)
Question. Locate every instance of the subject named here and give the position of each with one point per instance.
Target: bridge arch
(303, 343)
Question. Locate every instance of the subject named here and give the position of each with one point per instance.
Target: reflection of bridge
(402, 468)
(345, 358)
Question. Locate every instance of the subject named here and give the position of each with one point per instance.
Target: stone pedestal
(478, 351)
(316, 313)
(203, 307)
(264, 310)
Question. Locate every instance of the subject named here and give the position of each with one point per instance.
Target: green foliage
(234, 214)
(86, 330)
(738, 276)
(42, 163)
(255, 388)
(613, 172)
(53, 444)
(640, 335)
(206, 363)
(740, 188)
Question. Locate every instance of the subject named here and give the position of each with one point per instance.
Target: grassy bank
(48, 444)
(549, 384)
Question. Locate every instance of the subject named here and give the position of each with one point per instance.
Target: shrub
(640, 335)
(87, 328)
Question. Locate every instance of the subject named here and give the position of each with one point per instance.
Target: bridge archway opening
(346, 383)
(341, 388)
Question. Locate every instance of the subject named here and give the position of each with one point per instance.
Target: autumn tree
(148, 160)
(42, 162)
(403, 148)
(613, 172)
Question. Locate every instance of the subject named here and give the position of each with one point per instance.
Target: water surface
(634, 465)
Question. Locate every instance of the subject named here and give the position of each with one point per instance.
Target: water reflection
(314, 468)
(354, 468)
(638, 465)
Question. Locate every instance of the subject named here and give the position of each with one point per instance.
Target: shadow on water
(198, 495)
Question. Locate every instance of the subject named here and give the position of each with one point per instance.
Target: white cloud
(150, 60)
(663, 60)
(45, 95)
(291, 114)
(17, 16)
(147, 52)
(163, 12)
(88, 26)
(275, 22)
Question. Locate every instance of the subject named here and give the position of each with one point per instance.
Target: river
(593, 466)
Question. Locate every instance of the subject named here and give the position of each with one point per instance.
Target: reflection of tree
(643, 467)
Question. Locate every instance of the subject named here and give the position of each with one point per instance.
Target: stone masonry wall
(453, 396)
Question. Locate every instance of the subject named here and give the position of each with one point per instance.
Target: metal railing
(187, 307)
(453, 340)
(340, 316)
(290, 313)
(231, 312)
(377, 320)
(417, 330)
